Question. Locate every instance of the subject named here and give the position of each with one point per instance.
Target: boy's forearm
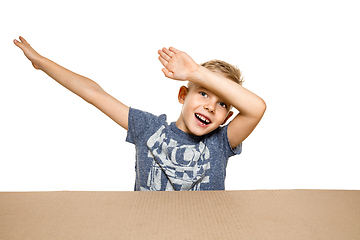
(246, 102)
(74, 82)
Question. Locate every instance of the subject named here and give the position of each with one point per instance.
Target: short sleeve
(223, 140)
(140, 122)
(238, 149)
(235, 151)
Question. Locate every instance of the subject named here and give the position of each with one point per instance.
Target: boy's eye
(223, 105)
(203, 94)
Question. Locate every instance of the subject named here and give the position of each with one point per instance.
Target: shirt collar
(184, 135)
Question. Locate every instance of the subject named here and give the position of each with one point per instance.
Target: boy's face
(202, 111)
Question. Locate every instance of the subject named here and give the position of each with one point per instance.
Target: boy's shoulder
(141, 123)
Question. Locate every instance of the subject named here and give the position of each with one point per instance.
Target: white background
(301, 57)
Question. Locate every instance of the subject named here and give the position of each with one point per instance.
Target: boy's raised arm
(180, 66)
(84, 87)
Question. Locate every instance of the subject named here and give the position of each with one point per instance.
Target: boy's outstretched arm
(180, 66)
(81, 86)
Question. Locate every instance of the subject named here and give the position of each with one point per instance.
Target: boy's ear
(227, 117)
(182, 94)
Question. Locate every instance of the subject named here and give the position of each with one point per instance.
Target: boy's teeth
(203, 118)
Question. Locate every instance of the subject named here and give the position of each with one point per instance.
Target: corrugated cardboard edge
(257, 214)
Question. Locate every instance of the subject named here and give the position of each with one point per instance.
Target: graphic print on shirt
(184, 165)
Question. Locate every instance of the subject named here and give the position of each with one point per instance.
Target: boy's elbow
(264, 106)
(261, 108)
(93, 94)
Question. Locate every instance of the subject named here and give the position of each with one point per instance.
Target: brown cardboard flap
(258, 214)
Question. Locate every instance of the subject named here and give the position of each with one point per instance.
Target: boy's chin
(201, 131)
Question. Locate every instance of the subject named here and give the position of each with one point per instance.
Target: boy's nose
(209, 108)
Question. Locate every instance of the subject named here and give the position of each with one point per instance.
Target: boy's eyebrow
(202, 88)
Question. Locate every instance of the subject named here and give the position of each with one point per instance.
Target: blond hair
(229, 71)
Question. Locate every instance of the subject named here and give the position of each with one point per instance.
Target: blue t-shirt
(169, 159)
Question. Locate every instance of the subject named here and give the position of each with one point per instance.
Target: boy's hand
(29, 52)
(178, 65)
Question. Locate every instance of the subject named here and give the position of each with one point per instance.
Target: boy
(191, 153)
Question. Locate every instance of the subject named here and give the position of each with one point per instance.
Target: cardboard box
(265, 214)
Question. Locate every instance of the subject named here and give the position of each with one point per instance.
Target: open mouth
(202, 119)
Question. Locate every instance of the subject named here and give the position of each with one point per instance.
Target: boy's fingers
(168, 73)
(172, 49)
(164, 55)
(168, 52)
(23, 40)
(17, 43)
(163, 61)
